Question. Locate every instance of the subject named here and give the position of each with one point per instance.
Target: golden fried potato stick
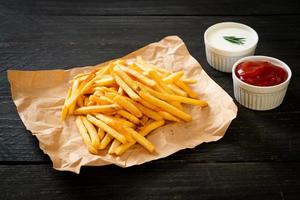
(105, 141)
(163, 85)
(148, 105)
(148, 112)
(92, 132)
(64, 111)
(75, 86)
(141, 139)
(85, 136)
(168, 116)
(97, 109)
(122, 122)
(128, 116)
(102, 100)
(189, 81)
(127, 105)
(106, 128)
(126, 88)
(143, 132)
(177, 90)
(186, 88)
(105, 81)
(138, 76)
(165, 106)
(113, 146)
(100, 133)
(173, 77)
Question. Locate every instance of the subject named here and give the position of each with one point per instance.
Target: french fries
(118, 105)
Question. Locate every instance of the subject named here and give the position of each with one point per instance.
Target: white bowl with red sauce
(260, 82)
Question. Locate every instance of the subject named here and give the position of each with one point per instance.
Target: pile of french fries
(118, 105)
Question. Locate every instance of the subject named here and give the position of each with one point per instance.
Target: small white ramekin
(257, 97)
(223, 60)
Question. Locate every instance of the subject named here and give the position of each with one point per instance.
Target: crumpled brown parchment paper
(39, 96)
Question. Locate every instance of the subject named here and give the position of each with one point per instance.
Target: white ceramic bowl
(258, 97)
(223, 59)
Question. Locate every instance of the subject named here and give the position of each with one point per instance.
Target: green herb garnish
(235, 40)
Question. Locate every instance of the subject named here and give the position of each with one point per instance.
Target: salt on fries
(121, 103)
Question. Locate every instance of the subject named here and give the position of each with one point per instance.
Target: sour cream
(217, 39)
(227, 42)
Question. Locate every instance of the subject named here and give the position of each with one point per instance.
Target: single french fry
(173, 77)
(80, 75)
(141, 139)
(186, 88)
(92, 132)
(85, 136)
(138, 76)
(100, 133)
(163, 85)
(126, 88)
(176, 104)
(189, 81)
(177, 90)
(123, 122)
(150, 127)
(144, 131)
(135, 67)
(148, 112)
(64, 111)
(75, 86)
(129, 116)
(168, 116)
(165, 106)
(96, 109)
(148, 105)
(105, 141)
(105, 81)
(107, 128)
(114, 146)
(127, 105)
(104, 70)
(102, 100)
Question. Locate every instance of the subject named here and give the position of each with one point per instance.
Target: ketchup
(260, 73)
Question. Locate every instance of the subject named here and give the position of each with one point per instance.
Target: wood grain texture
(151, 7)
(156, 180)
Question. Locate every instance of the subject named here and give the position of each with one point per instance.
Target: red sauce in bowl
(260, 73)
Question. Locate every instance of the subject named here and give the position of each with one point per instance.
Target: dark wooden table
(259, 157)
